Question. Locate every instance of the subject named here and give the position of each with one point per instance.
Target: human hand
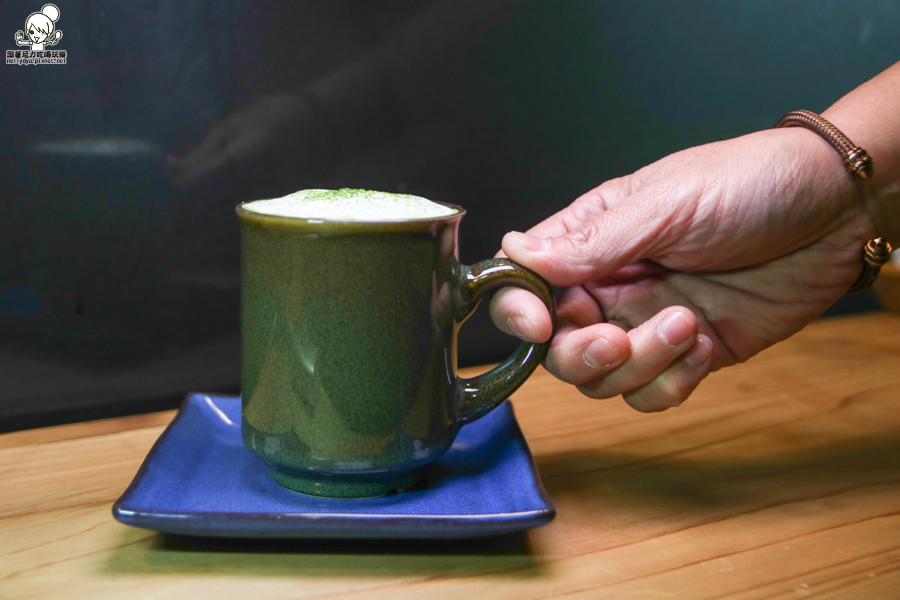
(693, 263)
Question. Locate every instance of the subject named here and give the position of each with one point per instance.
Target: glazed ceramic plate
(200, 480)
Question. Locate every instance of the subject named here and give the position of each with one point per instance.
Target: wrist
(849, 168)
(865, 213)
(866, 117)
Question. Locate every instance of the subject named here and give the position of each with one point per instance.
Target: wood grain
(779, 478)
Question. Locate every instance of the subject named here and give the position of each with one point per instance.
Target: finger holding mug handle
(481, 394)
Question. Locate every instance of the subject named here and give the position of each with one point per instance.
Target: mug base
(344, 488)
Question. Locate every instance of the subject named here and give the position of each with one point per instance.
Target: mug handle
(483, 393)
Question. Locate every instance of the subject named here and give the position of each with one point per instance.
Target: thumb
(599, 247)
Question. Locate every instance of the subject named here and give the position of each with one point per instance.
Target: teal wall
(595, 89)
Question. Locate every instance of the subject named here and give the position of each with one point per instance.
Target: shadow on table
(689, 480)
(508, 556)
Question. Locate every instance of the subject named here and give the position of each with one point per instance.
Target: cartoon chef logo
(40, 29)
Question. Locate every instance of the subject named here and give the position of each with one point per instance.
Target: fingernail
(701, 353)
(675, 329)
(518, 324)
(602, 353)
(529, 242)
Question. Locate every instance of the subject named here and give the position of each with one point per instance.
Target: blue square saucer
(199, 479)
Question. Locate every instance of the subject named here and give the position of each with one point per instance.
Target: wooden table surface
(779, 478)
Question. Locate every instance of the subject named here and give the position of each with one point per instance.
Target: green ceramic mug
(349, 348)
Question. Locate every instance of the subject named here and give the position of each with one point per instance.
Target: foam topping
(350, 205)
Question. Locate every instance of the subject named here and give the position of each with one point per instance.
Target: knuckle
(668, 390)
(597, 389)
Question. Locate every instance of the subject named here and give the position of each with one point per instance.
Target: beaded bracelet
(877, 251)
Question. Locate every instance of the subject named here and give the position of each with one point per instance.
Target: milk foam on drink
(350, 205)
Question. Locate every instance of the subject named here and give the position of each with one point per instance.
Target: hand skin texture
(708, 256)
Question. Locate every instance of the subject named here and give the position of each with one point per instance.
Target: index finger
(582, 210)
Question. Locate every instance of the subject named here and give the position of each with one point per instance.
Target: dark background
(119, 282)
